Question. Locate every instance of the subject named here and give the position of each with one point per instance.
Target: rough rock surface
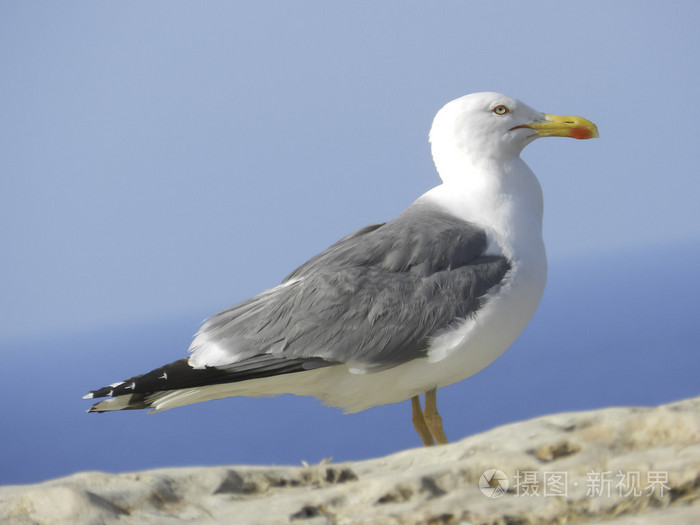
(623, 465)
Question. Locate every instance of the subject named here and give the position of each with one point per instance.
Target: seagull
(395, 309)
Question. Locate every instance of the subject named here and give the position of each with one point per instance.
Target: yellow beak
(560, 126)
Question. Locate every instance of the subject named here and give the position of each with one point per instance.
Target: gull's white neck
(503, 196)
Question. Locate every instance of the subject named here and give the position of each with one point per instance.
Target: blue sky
(164, 160)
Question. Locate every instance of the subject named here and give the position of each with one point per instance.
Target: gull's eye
(501, 109)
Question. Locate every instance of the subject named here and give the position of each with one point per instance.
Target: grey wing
(373, 299)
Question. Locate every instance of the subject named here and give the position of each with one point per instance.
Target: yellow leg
(432, 418)
(419, 422)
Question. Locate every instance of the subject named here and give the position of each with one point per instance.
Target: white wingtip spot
(88, 396)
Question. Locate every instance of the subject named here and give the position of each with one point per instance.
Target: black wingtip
(141, 391)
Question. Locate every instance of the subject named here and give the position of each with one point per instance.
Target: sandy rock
(618, 465)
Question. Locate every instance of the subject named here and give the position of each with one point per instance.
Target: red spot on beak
(581, 133)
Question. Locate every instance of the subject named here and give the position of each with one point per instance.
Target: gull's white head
(491, 127)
